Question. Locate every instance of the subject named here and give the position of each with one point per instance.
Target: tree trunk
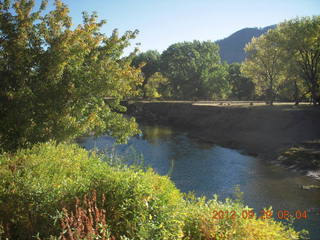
(296, 93)
(271, 93)
(314, 95)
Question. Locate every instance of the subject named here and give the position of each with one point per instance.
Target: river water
(208, 169)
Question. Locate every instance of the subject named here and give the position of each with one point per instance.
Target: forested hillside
(231, 48)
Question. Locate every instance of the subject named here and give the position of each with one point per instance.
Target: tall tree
(293, 87)
(149, 61)
(242, 88)
(53, 79)
(194, 69)
(300, 38)
(263, 64)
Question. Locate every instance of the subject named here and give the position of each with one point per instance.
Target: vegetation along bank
(61, 81)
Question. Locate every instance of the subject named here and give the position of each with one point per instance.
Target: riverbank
(59, 191)
(259, 130)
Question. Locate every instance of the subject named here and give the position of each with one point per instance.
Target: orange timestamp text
(264, 214)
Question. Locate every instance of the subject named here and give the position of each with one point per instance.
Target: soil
(259, 130)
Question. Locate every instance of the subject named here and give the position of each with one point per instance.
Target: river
(208, 169)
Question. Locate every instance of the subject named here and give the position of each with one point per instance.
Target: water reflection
(207, 169)
(156, 134)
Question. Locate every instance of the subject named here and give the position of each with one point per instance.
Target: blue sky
(164, 22)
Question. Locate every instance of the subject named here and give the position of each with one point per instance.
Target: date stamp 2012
(264, 214)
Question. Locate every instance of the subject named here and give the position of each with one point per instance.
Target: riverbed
(208, 169)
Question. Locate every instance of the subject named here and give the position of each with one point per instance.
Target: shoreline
(262, 131)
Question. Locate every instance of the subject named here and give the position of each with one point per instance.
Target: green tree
(293, 87)
(194, 69)
(149, 61)
(155, 85)
(300, 38)
(242, 88)
(263, 65)
(53, 79)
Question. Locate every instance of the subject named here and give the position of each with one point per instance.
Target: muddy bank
(262, 131)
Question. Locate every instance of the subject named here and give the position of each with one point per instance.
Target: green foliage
(285, 62)
(242, 88)
(236, 222)
(300, 38)
(38, 183)
(263, 65)
(156, 83)
(54, 78)
(149, 61)
(194, 69)
(292, 88)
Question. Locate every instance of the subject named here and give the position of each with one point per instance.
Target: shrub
(37, 184)
(200, 223)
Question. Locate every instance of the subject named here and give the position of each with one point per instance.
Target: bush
(37, 184)
(200, 223)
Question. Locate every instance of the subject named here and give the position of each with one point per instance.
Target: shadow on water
(208, 169)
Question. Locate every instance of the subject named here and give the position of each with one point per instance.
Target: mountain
(231, 48)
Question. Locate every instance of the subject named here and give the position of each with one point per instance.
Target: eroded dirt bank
(262, 131)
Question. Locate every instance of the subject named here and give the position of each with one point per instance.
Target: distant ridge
(231, 48)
